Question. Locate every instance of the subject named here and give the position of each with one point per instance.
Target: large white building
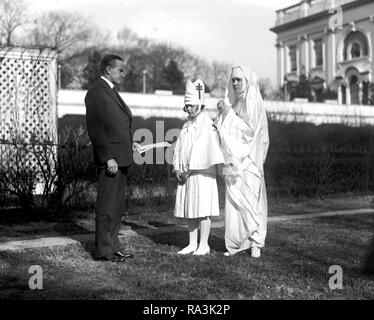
(331, 42)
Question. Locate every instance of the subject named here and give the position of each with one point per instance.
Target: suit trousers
(110, 206)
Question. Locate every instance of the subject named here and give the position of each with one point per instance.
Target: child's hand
(185, 176)
(181, 176)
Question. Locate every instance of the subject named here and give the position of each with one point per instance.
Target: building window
(318, 53)
(293, 59)
(365, 92)
(344, 94)
(356, 50)
(354, 90)
(355, 46)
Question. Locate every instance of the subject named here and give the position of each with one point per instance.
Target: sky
(232, 31)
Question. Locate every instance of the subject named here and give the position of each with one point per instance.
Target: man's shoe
(110, 259)
(123, 255)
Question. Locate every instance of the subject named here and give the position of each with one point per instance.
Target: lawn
(294, 265)
(18, 224)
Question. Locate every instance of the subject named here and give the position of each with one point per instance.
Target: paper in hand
(141, 149)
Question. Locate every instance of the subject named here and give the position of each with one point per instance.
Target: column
(304, 9)
(286, 59)
(329, 55)
(298, 60)
(360, 92)
(303, 55)
(340, 95)
(280, 16)
(280, 63)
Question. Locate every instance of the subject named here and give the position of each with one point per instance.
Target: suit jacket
(109, 122)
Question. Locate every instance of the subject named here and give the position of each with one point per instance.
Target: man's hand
(112, 166)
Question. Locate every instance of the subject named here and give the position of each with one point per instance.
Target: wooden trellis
(28, 103)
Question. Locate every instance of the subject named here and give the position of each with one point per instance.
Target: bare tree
(265, 87)
(67, 32)
(220, 73)
(71, 35)
(128, 38)
(12, 16)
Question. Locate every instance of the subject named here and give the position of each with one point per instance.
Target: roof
(315, 17)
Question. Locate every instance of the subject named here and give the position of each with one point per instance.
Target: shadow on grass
(333, 242)
(178, 238)
(294, 265)
(14, 285)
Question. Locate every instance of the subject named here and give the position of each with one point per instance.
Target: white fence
(141, 105)
(151, 105)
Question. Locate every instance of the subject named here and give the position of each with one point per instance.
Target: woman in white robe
(196, 156)
(244, 137)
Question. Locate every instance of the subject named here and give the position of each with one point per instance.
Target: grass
(348, 201)
(17, 224)
(294, 265)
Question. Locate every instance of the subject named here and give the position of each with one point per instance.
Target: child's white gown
(198, 151)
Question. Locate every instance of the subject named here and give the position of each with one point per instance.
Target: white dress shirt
(111, 85)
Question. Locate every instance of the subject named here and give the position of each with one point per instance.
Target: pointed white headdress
(195, 92)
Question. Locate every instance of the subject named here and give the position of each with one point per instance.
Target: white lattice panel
(28, 95)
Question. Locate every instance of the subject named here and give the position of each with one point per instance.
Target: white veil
(249, 106)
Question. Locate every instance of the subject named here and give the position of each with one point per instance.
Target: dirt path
(125, 232)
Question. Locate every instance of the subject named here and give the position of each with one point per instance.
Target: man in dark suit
(109, 128)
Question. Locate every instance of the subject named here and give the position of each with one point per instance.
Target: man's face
(238, 80)
(116, 72)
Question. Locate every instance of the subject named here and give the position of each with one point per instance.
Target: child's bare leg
(205, 224)
(193, 233)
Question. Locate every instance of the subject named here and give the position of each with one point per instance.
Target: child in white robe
(196, 156)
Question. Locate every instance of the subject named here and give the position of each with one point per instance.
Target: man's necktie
(117, 94)
(124, 106)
